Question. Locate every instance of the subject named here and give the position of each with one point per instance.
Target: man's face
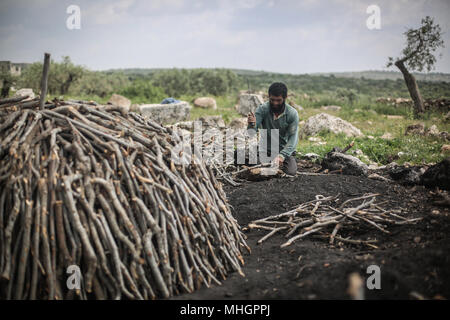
(276, 102)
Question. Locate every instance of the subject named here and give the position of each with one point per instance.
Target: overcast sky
(289, 36)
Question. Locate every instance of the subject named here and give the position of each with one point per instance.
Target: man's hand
(251, 119)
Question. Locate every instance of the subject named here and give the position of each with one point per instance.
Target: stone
(25, 92)
(166, 113)
(417, 128)
(370, 137)
(206, 103)
(238, 124)
(407, 175)
(310, 156)
(432, 131)
(391, 165)
(445, 148)
(120, 101)
(444, 135)
(331, 108)
(349, 165)
(387, 136)
(314, 139)
(324, 121)
(447, 117)
(402, 101)
(394, 117)
(248, 103)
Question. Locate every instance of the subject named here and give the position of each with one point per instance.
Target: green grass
(412, 149)
(372, 119)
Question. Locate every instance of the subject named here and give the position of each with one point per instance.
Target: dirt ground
(413, 258)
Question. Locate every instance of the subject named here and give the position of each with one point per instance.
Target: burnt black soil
(413, 258)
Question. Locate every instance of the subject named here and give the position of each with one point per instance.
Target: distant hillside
(370, 74)
(388, 75)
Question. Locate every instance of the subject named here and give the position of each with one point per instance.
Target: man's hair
(278, 89)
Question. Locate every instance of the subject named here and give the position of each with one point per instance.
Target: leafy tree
(7, 80)
(100, 84)
(61, 76)
(418, 55)
(142, 91)
(349, 94)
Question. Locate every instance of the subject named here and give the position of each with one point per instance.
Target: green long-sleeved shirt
(286, 123)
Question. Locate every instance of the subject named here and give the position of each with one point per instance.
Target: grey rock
(206, 103)
(407, 175)
(310, 156)
(166, 113)
(432, 131)
(324, 121)
(248, 103)
(417, 128)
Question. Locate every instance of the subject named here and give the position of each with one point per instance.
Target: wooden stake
(44, 80)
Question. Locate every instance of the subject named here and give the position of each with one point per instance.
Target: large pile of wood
(96, 187)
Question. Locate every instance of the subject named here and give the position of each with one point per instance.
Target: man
(277, 114)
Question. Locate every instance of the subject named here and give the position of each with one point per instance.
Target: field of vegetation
(356, 96)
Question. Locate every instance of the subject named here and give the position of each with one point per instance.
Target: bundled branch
(321, 217)
(96, 187)
(219, 153)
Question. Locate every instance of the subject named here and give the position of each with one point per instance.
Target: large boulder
(248, 103)
(25, 92)
(166, 113)
(324, 121)
(120, 101)
(206, 103)
(347, 164)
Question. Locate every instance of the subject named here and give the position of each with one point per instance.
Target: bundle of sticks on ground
(321, 217)
(96, 187)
